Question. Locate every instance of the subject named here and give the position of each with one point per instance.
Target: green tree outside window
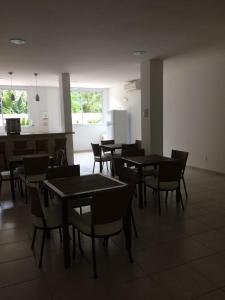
(88, 104)
(18, 106)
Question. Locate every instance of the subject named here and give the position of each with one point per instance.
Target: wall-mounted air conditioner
(132, 85)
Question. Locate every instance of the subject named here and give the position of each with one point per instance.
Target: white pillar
(152, 106)
(64, 86)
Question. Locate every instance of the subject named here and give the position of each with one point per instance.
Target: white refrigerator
(118, 126)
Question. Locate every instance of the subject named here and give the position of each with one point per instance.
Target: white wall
(54, 110)
(133, 106)
(87, 134)
(194, 107)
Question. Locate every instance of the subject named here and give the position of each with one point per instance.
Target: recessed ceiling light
(139, 52)
(17, 41)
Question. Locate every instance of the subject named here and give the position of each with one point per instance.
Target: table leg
(111, 163)
(178, 195)
(140, 190)
(46, 202)
(101, 167)
(66, 238)
(12, 184)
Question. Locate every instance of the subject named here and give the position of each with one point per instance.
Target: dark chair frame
(98, 157)
(36, 210)
(182, 155)
(117, 206)
(168, 171)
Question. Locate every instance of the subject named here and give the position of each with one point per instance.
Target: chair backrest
(36, 165)
(61, 172)
(3, 160)
(97, 151)
(60, 158)
(117, 165)
(128, 176)
(41, 145)
(128, 147)
(133, 152)
(139, 144)
(170, 170)
(182, 155)
(35, 204)
(110, 205)
(60, 143)
(107, 142)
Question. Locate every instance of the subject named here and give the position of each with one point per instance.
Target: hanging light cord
(11, 73)
(36, 74)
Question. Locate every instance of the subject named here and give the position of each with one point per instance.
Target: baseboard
(82, 151)
(206, 170)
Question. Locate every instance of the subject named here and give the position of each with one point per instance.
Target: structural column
(64, 86)
(152, 106)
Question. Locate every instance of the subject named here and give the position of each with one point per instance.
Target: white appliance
(118, 126)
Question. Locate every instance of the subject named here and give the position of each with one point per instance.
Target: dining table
(72, 190)
(140, 162)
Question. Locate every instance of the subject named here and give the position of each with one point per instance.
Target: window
(87, 106)
(16, 108)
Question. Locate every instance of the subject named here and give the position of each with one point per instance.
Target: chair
(60, 143)
(60, 159)
(128, 176)
(107, 142)
(41, 146)
(133, 152)
(126, 152)
(168, 179)
(35, 169)
(139, 144)
(4, 172)
(43, 218)
(117, 164)
(176, 154)
(98, 157)
(110, 213)
(128, 147)
(62, 172)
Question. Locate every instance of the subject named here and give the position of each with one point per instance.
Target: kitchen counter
(51, 137)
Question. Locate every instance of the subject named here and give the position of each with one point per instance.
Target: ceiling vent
(132, 85)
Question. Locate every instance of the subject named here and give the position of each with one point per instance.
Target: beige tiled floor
(177, 256)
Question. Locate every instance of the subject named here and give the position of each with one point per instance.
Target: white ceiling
(94, 40)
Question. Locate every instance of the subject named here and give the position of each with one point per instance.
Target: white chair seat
(166, 186)
(5, 175)
(32, 178)
(84, 209)
(53, 217)
(149, 171)
(83, 224)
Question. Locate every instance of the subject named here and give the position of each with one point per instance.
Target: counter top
(23, 134)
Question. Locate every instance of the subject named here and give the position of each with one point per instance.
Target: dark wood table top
(19, 158)
(146, 160)
(78, 186)
(112, 146)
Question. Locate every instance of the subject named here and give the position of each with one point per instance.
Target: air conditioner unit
(132, 85)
